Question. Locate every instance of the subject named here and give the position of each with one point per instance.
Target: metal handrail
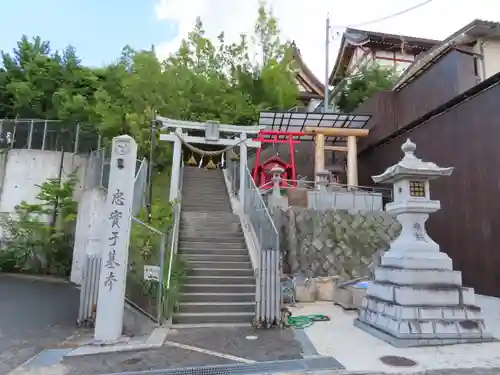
(310, 186)
(253, 207)
(174, 238)
(265, 209)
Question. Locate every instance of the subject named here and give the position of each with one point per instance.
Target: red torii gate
(259, 175)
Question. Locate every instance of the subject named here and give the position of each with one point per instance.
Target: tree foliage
(371, 79)
(203, 80)
(38, 237)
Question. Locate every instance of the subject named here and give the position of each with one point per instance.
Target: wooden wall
(466, 137)
(451, 75)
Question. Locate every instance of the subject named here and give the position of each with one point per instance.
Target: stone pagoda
(416, 298)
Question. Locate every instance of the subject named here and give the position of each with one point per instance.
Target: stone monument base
(412, 326)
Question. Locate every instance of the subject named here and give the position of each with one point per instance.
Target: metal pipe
(327, 63)
(152, 145)
(30, 134)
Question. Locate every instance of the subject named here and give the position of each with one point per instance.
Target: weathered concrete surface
(35, 314)
(270, 345)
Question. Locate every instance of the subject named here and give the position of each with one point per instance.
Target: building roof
(295, 122)
(352, 38)
(467, 34)
(306, 77)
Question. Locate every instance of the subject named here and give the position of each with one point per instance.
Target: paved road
(35, 314)
(269, 345)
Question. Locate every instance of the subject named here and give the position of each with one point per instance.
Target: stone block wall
(333, 243)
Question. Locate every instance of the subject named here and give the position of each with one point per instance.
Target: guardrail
(167, 287)
(268, 290)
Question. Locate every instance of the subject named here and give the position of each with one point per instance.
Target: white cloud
(304, 22)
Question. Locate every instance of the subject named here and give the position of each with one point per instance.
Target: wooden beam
(201, 140)
(193, 125)
(336, 132)
(336, 148)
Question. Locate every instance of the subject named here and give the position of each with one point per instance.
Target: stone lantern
(276, 173)
(416, 298)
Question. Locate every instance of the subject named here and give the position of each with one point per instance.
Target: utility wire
(401, 12)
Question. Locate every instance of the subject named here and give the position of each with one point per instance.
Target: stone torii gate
(351, 149)
(213, 132)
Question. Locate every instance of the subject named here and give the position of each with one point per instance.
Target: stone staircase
(220, 287)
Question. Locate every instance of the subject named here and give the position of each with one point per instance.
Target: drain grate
(397, 361)
(310, 364)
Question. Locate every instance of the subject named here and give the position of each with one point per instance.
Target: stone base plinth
(424, 325)
(411, 341)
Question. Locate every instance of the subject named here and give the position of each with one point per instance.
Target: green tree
(203, 80)
(38, 83)
(370, 80)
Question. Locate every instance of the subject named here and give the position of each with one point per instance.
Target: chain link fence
(49, 135)
(147, 244)
(146, 257)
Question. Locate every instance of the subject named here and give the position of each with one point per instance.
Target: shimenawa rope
(207, 153)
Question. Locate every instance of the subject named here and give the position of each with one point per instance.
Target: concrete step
(217, 297)
(229, 242)
(235, 241)
(209, 217)
(199, 227)
(203, 257)
(220, 265)
(225, 272)
(193, 318)
(204, 209)
(214, 252)
(217, 307)
(218, 288)
(229, 226)
(202, 233)
(205, 203)
(203, 186)
(216, 197)
(191, 171)
(203, 176)
(202, 247)
(217, 280)
(209, 191)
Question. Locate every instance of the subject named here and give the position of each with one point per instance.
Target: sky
(98, 29)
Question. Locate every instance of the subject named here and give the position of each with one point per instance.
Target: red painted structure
(260, 172)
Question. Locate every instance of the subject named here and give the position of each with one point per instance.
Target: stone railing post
(276, 179)
(322, 177)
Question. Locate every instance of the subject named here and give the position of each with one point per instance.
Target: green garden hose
(304, 321)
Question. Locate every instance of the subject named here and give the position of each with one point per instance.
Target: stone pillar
(176, 166)
(322, 178)
(352, 162)
(276, 179)
(416, 298)
(319, 155)
(115, 240)
(243, 166)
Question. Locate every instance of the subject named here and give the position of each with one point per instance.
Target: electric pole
(327, 62)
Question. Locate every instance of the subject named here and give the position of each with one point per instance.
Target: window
(417, 189)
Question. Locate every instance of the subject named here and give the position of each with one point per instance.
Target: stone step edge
(220, 286)
(220, 277)
(220, 269)
(378, 300)
(217, 255)
(432, 286)
(249, 303)
(217, 294)
(216, 314)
